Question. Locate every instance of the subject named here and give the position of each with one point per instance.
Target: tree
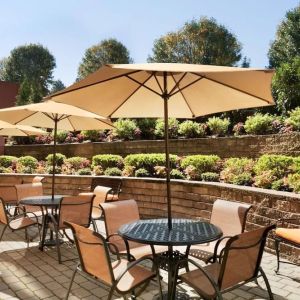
(198, 42)
(57, 85)
(286, 85)
(246, 62)
(108, 51)
(31, 66)
(2, 68)
(286, 46)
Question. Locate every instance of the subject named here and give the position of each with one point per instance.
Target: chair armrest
(132, 264)
(114, 235)
(215, 255)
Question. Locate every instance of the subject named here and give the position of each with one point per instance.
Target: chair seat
(21, 223)
(198, 281)
(290, 234)
(144, 250)
(132, 278)
(205, 251)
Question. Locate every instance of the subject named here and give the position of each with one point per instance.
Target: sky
(68, 27)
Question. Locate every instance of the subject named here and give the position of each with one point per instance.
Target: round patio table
(184, 232)
(45, 202)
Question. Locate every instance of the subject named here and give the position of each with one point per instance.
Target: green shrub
(176, 174)
(113, 172)
(91, 135)
(57, 169)
(259, 124)
(149, 160)
(61, 136)
(296, 165)
(5, 170)
(125, 129)
(279, 165)
(107, 161)
(210, 176)
(242, 179)
(202, 163)
(28, 161)
(85, 171)
(77, 162)
(97, 170)
(58, 157)
(190, 129)
(160, 128)
(160, 171)
(7, 161)
(238, 171)
(294, 182)
(142, 173)
(294, 119)
(281, 185)
(147, 127)
(218, 126)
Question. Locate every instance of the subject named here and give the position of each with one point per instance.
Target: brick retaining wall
(245, 146)
(189, 199)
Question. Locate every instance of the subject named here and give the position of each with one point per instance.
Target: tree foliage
(286, 46)
(31, 66)
(198, 42)
(57, 85)
(108, 51)
(286, 85)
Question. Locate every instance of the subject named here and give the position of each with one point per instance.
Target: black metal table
(44, 202)
(184, 232)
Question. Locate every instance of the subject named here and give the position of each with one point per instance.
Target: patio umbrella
(168, 90)
(7, 129)
(55, 115)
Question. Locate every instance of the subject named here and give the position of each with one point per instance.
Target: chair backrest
(37, 179)
(3, 215)
(116, 214)
(75, 209)
(229, 216)
(93, 252)
(8, 194)
(114, 183)
(100, 193)
(29, 189)
(242, 257)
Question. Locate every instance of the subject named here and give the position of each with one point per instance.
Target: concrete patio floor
(28, 273)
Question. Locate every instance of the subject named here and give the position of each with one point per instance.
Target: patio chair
(239, 263)
(20, 220)
(37, 179)
(8, 193)
(118, 213)
(230, 217)
(114, 183)
(75, 209)
(28, 190)
(101, 193)
(289, 236)
(121, 275)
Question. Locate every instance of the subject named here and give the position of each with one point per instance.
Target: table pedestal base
(49, 243)
(178, 296)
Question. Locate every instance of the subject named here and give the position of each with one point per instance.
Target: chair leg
(277, 254)
(267, 283)
(71, 283)
(111, 292)
(2, 233)
(159, 283)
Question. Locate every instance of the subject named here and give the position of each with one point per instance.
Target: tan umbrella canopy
(187, 91)
(7, 129)
(50, 114)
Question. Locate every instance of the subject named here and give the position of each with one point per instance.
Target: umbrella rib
(140, 85)
(183, 88)
(94, 83)
(236, 89)
(143, 84)
(177, 83)
(69, 120)
(26, 116)
(158, 83)
(184, 98)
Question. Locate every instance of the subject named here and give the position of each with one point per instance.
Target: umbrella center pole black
(54, 156)
(165, 97)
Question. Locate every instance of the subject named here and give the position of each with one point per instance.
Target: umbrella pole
(54, 156)
(166, 121)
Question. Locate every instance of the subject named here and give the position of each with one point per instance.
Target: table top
(184, 232)
(43, 200)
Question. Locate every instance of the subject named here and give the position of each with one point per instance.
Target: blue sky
(68, 27)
